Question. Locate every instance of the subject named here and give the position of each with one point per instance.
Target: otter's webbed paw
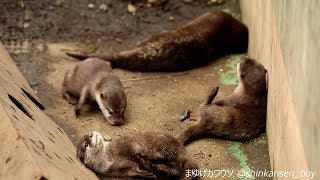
(143, 174)
(70, 98)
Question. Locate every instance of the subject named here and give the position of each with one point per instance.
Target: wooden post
(32, 146)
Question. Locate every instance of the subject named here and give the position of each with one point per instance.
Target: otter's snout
(243, 58)
(116, 121)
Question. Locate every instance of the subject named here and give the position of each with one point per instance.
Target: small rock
(107, 138)
(171, 18)
(132, 9)
(103, 7)
(185, 114)
(90, 6)
(26, 24)
(22, 4)
(118, 40)
(59, 2)
(214, 2)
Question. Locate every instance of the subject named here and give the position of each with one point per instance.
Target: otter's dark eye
(110, 111)
(242, 75)
(86, 145)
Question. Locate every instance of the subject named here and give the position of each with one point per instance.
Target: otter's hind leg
(69, 97)
(128, 169)
(192, 133)
(68, 81)
(83, 99)
(212, 95)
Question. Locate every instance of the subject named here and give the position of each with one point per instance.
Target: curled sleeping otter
(147, 155)
(242, 115)
(196, 43)
(93, 80)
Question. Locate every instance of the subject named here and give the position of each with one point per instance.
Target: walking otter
(91, 81)
(196, 43)
(147, 155)
(239, 117)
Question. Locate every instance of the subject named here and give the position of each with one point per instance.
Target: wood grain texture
(284, 135)
(32, 145)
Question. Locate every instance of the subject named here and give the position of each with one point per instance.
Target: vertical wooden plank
(43, 148)
(286, 149)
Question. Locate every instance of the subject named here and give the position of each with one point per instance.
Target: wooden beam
(32, 145)
(286, 149)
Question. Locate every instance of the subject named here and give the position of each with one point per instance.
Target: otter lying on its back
(242, 115)
(211, 35)
(147, 155)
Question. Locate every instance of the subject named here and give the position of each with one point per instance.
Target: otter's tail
(78, 56)
(212, 95)
(84, 56)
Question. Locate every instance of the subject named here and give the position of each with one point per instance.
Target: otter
(93, 80)
(141, 155)
(196, 43)
(239, 117)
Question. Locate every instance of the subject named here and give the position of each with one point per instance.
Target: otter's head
(91, 150)
(252, 76)
(112, 102)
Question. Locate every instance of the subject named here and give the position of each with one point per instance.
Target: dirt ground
(36, 33)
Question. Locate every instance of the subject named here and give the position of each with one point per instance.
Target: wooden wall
(284, 37)
(32, 145)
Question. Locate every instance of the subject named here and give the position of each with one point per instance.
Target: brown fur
(242, 115)
(95, 77)
(143, 155)
(210, 35)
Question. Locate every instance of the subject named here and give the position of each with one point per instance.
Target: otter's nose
(117, 122)
(242, 58)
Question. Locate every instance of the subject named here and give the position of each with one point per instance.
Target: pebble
(171, 18)
(132, 9)
(107, 138)
(185, 114)
(214, 2)
(103, 7)
(26, 24)
(118, 40)
(90, 6)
